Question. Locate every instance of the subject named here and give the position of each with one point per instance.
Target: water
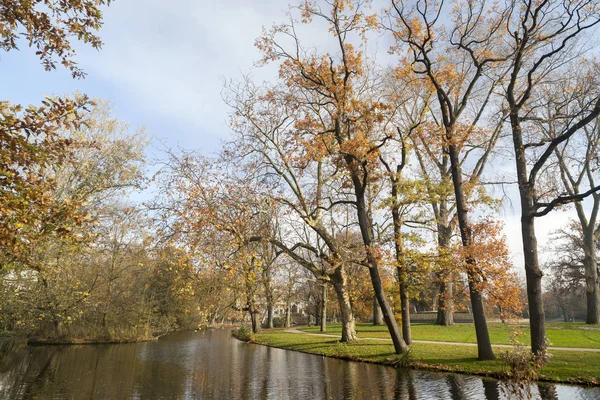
(213, 365)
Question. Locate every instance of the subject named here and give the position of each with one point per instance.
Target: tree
(410, 102)
(304, 186)
(576, 165)
(105, 162)
(339, 118)
(570, 275)
(462, 73)
(29, 137)
(49, 26)
(30, 145)
(206, 203)
(542, 35)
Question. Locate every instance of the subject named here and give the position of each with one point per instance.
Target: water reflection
(212, 365)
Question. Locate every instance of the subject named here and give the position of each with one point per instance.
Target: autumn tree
(304, 186)
(60, 276)
(435, 169)
(461, 63)
(29, 139)
(205, 202)
(339, 118)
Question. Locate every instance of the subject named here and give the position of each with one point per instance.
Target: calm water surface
(212, 365)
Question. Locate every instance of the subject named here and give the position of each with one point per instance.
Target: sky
(162, 67)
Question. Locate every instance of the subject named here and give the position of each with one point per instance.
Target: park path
(503, 346)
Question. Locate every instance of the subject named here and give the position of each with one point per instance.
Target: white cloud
(169, 58)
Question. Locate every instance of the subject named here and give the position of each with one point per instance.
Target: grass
(560, 334)
(565, 366)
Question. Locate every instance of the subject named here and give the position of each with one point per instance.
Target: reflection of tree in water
(547, 392)
(491, 389)
(10, 352)
(405, 386)
(91, 372)
(456, 388)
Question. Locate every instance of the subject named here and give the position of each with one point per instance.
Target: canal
(213, 365)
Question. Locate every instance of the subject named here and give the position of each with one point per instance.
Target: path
(504, 346)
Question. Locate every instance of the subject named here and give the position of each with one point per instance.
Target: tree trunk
(445, 316)
(377, 315)
(270, 315)
(254, 317)
(484, 346)
(359, 182)
(59, 330)
(401, 268)
(592, 284)
(288, 314)
(399, 344)
(323, 314)
(533, 275)
(340, 284)
(405, 307)
(533, 272)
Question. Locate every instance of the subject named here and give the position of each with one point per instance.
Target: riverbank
(575, 367)
(78, 341)
(66, 341)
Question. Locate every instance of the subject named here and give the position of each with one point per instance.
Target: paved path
(504, 346)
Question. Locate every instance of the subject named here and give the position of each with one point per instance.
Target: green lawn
(560, 334)
(565, 366)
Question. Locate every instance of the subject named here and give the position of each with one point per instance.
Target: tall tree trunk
(401, 267)
(592, 283)
(445, 315)
(484, 345)
(366, 228)
(533, 272)
(359, 183)
(323, 314)
(288, 314)
(377, 315)
(340, 284)
(533, 275)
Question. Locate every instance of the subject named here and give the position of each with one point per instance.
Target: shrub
(524, 366)
(244, 332)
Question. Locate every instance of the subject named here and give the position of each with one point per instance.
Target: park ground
(574, 347)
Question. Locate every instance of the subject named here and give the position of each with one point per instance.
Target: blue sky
(162, 66)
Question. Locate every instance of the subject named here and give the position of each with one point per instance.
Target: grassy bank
(560, 334)
(565, 366)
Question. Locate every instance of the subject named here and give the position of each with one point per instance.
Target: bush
(524, 366)
(244, 332)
